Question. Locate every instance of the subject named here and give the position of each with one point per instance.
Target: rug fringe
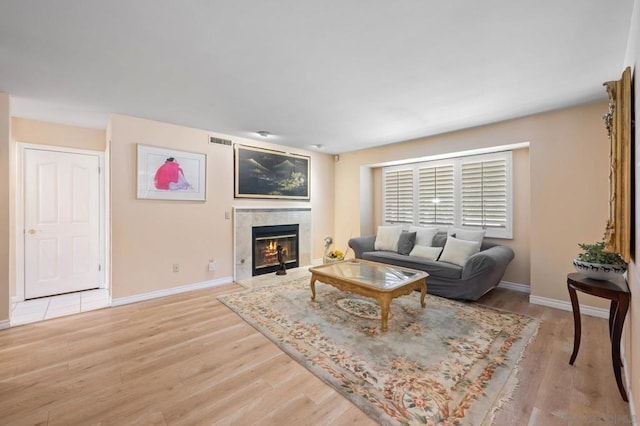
(512, 383)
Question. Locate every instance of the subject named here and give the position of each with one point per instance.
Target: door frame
(103, 209)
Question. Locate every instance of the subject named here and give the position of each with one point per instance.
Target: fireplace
(265, 242)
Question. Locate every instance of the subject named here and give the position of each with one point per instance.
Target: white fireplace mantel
(245, 218)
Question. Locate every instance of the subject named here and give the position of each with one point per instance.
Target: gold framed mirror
(617, 236)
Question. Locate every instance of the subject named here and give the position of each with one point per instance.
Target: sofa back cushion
(387, 237)
(467, 235)
(424, 234)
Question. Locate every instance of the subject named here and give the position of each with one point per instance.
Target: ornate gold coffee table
(378, 280)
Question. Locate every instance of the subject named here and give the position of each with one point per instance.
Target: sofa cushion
(424, 234)
(439, 239)
(406, 242)
(467, 235)
(457, 251)
(434, 268)
(430, 253)
(387, 237)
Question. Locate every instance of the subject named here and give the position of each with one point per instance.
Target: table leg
(312, 284)
(623, 305)
(612, 315)
(384, 302)
(423, 293)
(577, 327)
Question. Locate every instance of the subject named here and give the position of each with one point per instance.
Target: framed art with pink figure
(171, 174)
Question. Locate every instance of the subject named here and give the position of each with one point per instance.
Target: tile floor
(66, 304)
(57, 306)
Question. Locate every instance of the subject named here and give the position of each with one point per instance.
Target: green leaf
(594, 253)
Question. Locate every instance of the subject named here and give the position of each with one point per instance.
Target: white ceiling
(346, 74)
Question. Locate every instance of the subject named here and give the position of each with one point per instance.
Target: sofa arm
(361, 245)
(491, 262)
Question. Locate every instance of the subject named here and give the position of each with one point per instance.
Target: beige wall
(632, 325)
(5, 205)
(569, 194)
(149, 236)
(45, 133)
(555, 208)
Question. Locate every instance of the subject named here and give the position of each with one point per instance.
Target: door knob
(31, 231)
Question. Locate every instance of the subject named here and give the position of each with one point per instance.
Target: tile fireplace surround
(245, 218)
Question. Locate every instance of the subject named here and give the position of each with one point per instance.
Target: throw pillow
(457, 251)
(424, 235)
(387, 237)
(430, 253)
(439, 239)
(467, 235)
(406, 242)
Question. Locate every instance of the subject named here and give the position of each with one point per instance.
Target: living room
(560, 199)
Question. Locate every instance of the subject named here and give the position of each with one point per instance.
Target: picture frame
(264, 173)
(170, 174)
(618, 123)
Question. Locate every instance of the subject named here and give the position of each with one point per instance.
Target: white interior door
(61, 222)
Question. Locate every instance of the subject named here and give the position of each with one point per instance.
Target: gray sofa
(481, 272)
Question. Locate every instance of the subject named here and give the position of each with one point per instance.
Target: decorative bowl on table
(599, 271)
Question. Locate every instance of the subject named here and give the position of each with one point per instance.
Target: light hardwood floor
(187, 359)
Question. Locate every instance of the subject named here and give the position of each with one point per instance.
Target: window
(436, 195)
(398, 200)
(465, 192)
(484, 194)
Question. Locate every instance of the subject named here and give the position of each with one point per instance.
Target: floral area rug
(451, 362)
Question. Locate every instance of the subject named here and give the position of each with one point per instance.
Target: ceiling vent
(219, 141)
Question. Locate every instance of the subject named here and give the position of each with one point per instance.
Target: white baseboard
(515, 286)
(4, 324)
(627, 384)
(170, 291)
(632, 409)
(566, 306)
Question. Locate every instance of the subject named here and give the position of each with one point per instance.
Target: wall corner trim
(523, 288)
(4, 324)
(566, 306)
(170, 291)
(627, 384)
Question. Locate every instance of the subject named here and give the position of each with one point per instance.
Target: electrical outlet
(227, 215)
(176, 267)
(212, 265)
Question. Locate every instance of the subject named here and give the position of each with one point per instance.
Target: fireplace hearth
(265, 242)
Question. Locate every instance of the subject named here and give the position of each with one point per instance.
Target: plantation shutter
(484, 194)
(398, 196)
(436, 195)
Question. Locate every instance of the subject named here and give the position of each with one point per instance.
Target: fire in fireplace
(266, 240)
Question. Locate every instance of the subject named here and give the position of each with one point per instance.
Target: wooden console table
(618, 292)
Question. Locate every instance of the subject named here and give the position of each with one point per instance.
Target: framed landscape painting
(263, 173)
(170, 174)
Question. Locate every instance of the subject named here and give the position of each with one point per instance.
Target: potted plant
(597, 264)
